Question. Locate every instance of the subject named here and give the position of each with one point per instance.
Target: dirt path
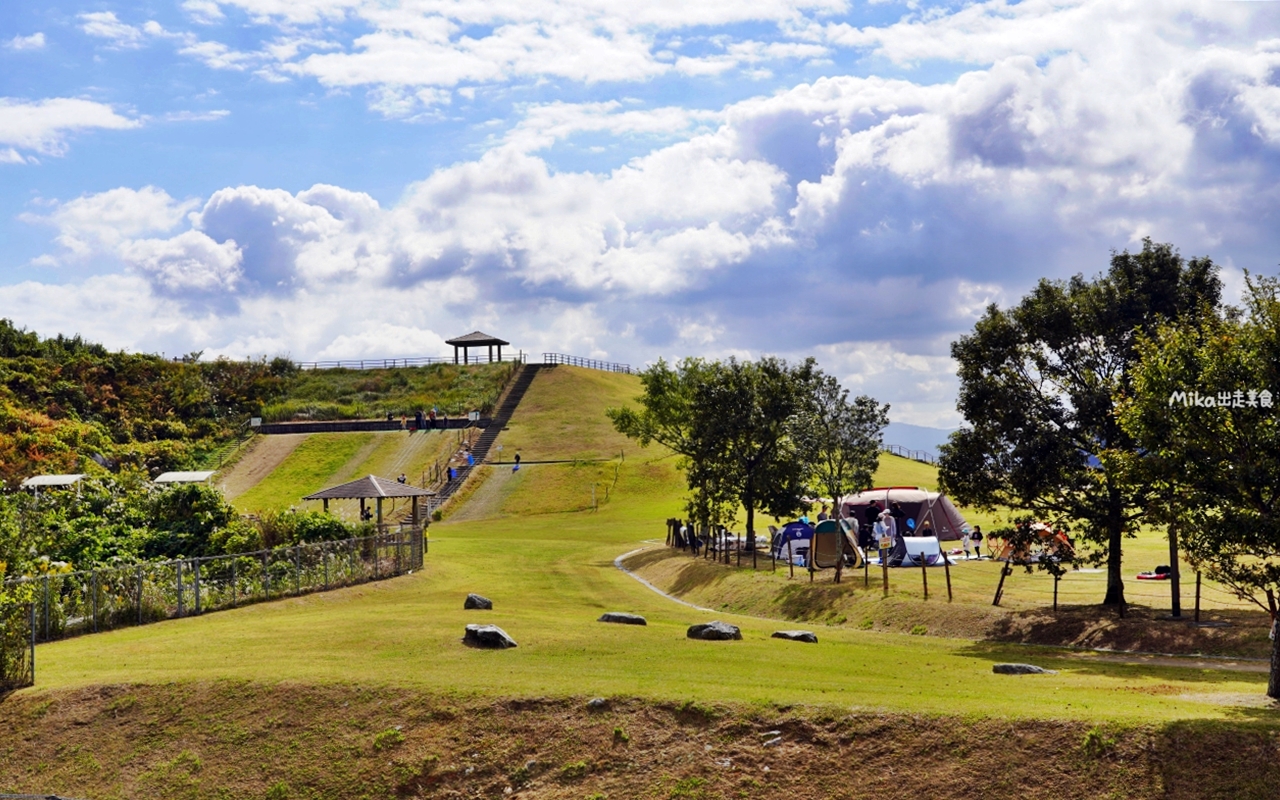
(263, 457)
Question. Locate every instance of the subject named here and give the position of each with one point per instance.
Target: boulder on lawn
(797, 636)
(714, 631)
(490, 637)
(478, 602)
(622, 618)
(1021, 669)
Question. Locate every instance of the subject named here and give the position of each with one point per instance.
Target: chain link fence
(17, 646)
(77, 603)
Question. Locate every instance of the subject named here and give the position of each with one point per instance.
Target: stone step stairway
(480, 450)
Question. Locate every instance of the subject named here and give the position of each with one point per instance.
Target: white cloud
(101, 223)
(105, 25)
(205, 12)
(42, 126)
(33, 42)
(197, 116)
(188, 264)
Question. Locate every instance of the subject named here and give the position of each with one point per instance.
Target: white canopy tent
(37, 482)
(185, 477)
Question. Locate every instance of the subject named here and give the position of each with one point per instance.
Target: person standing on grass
(964, 542)
(977, 541)
(870, 515)
(823, 515)
(884, 532)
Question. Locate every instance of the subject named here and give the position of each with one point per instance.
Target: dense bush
(114, 519)
(64, 400)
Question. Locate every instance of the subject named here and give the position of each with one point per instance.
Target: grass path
(267, 453)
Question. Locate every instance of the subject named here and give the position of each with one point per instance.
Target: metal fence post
(235, 584)
(197, 584)
(324, 552)
(266, 574)
(93, 587)
(297, 569)
(180, 609)
(46, 608)
(376, 547)
(139, 594)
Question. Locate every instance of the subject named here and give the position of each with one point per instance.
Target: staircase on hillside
(480, 450)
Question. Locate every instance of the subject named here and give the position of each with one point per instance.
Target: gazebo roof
(368, 487)
(475, 338)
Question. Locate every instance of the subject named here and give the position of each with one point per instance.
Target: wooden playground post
(1004, 573)
(884, 566)
(946, 565)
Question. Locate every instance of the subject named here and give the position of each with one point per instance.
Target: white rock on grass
(797, 636)
(489, 637)
(1021, 669)
(622, 618)
(714, 631)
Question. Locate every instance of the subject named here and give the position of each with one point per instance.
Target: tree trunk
(1273, 683)
(1115, 542)
(751, 527)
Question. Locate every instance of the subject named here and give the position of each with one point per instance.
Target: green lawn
(548, 566)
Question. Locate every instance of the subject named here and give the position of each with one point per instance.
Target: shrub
(391, 737)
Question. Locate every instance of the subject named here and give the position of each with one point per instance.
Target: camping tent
(792, 542)
(916, 503)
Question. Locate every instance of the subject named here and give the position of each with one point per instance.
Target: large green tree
(738, 426)
(1204, 406)
(841, 439)
(1037, 383)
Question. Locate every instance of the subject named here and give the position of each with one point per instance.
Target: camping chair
(827, 550)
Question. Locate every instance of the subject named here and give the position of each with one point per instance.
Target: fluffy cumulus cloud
(865, 219)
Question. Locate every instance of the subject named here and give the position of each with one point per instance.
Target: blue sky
(855, 181)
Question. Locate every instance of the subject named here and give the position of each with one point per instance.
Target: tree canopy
(1204, 410)
(1037, 389)
(759, 435)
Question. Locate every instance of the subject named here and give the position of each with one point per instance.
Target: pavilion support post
(362, 509)
(379, 514)
(490, 354)
(326, 505)
(499, 352)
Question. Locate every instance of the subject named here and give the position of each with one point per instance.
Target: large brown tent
(916, 503)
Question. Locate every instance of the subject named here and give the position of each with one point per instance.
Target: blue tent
(793, 540)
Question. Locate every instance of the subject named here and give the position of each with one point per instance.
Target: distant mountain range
(916, 437)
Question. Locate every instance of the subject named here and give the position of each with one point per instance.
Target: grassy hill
(315, 687)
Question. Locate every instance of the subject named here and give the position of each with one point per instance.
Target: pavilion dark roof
(370, 486)
(476, 338)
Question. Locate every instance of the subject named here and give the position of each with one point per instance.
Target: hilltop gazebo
(475, 339)
(371, 487)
